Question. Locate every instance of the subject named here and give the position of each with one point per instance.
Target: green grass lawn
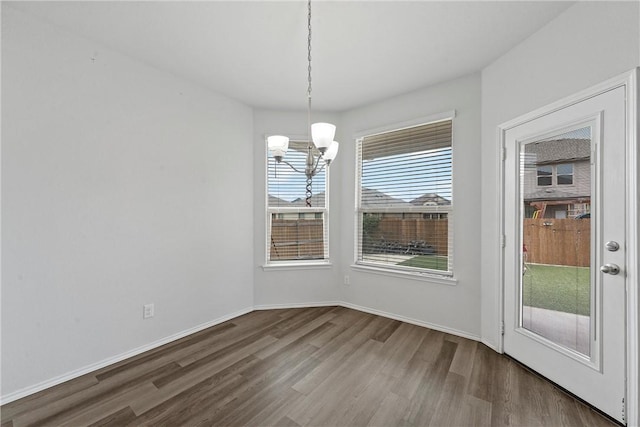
(433, 262)
(552, 287)
(557, 288)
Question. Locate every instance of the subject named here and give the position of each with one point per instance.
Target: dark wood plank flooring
(327, 366)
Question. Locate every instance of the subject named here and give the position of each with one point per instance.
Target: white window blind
(405, 198)
(296, 232)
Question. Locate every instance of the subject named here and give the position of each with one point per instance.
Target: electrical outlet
(346, 280)
(148, 310)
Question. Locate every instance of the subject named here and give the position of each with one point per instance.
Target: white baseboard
(373, 311)
(297, 305)
(115, 359)
(411, 321)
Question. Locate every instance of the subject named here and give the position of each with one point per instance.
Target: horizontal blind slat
(427, 137)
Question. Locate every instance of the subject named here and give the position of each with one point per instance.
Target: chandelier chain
(308, 191)
(309, 73)
(309, 49)
(309, 188)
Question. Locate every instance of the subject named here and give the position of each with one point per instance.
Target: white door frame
(629, 81)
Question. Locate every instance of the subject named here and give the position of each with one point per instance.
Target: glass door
(555, 210)
(564, 252)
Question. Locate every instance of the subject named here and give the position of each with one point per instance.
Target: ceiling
(363, 51)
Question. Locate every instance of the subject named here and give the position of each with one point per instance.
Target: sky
(404, 176)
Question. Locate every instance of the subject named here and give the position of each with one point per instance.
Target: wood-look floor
(328, 366)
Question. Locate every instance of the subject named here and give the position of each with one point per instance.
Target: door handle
(612, 246)
(612, 269)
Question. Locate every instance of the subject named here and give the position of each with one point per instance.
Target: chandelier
(321, 134)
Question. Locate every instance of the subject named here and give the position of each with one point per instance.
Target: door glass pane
(555, 197)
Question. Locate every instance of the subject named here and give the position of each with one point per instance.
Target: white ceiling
(362, 51)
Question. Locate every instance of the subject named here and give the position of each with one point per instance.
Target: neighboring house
(431, 199)
(556, 178)
(372, 199)
(316, 201)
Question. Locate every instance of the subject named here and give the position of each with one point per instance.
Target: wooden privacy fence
(296, 239)
(557, 241)
(404, 231)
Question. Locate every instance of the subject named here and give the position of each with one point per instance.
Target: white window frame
(572, 174)
(554, 175)
(269, 211)
(443, 277)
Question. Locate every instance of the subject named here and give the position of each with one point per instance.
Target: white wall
(118, 190)
(273, 287)
(587, 44)
(454, 308)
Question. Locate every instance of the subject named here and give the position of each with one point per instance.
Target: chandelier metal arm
(309, 171)
(315, 167)
(291, 166)
(317, 171)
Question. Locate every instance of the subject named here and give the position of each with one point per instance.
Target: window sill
(411, 275)
(304, 265)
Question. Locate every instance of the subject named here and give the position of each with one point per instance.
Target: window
(405, 199)
(295, 232)
(565, 174)
(544, 175)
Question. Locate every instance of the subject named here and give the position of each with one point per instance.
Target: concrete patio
(566, 329)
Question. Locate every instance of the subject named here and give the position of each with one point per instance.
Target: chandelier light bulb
(331, 152)
(278, 146)
(322, 135)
